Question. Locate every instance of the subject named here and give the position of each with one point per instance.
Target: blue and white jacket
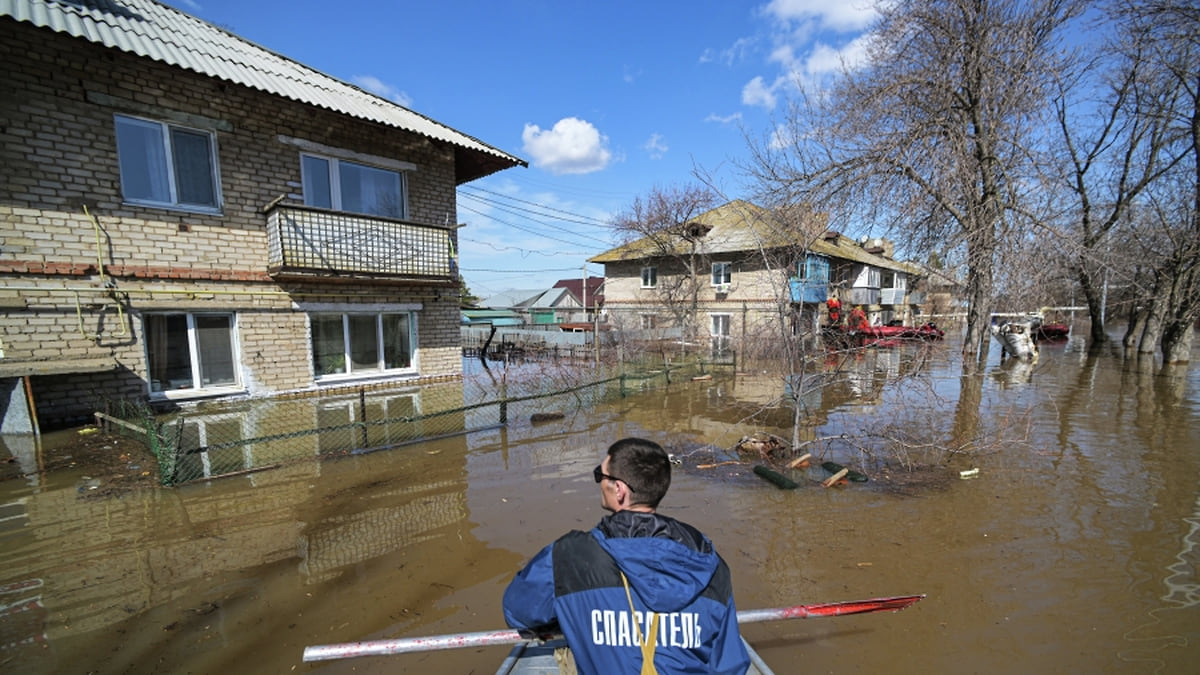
(575, 585)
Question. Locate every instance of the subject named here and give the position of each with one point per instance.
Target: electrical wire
(571, 217)
(518, 212)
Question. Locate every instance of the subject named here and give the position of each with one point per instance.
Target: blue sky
(605, 100)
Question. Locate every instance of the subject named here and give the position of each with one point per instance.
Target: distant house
(732, 272)
(542, 307)
(589, 296)
(185, 215)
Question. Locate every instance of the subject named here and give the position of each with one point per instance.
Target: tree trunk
(1094, 298)
(1153, 322)
(1177, 342)
(980, 273)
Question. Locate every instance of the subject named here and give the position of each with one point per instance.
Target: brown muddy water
(1076, 549)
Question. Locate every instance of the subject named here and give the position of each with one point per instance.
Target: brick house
(730, 274)
(185, 215)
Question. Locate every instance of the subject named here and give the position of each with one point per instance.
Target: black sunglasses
(600, 475)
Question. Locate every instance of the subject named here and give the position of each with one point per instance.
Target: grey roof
(742, 227)
(513, 298)
(152, 30)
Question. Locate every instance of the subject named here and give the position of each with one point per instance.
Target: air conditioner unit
(722, 288)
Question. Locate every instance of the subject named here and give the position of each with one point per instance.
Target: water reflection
(1076, 549)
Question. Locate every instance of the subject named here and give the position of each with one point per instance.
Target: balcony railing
(808, 291)
(891, 296)
(862, 296)
(310, 241)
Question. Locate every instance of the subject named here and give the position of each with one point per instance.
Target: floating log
(800, 462)
(713, 466)
(545, 417)
(851, 474)
(779, 480)
(835, 478)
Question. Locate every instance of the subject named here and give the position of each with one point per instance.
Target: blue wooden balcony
(805, 291)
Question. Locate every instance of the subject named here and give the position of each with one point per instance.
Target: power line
(537, 271)
(572, 217)
(523, 229)
(515, 211)
(524, 251)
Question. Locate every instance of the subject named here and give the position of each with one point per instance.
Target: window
(722, 273)
(649, 277)
(190, 352)
(211, 448)
(814, 269)
(891, 279)
(360, 344)
(387, 423)
(165, 165)
(343, 185)
(648, 321)
(719, 331)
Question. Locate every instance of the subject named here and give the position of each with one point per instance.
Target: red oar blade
(894, 604)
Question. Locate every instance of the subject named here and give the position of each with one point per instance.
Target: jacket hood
(669, 563)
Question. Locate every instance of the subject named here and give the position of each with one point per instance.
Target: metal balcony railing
(891, 296)
(862, 296)
(304, 240)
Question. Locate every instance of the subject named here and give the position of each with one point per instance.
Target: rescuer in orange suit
(858, 319)
(835, 310)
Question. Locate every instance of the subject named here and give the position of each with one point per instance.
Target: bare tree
(659, 225)
(1167, 33)
(1110, 150)
(933, 135)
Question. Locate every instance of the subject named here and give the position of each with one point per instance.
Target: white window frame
(717, 322)
(353, 408)
(197, 388)
(172, 184)
(349, 372)
(201, 424)
(333, 177)
(649, 277)
(648, 321)
(722, 274)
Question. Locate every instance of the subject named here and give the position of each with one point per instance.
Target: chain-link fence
(229, 438)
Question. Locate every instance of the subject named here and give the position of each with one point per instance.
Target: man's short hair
(644, 466)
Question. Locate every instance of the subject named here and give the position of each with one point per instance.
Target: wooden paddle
(349, 650)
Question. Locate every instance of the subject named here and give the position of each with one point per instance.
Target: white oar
(349, 650)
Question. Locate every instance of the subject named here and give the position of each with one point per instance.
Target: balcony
(891, 296)
(304, 241)
(862, 296)
(807, 291)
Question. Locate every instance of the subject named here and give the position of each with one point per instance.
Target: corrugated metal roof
(155, 31)
(742, 227)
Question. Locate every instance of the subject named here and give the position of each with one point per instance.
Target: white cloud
(840, 15)
(730, 55)
(380, 88)
(727, 119)
(656, 146)
(572, 146)
(757, 92)
(825, 59)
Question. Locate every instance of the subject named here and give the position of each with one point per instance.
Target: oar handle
(349, 650)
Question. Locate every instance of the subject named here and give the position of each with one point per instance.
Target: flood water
(1075, 549)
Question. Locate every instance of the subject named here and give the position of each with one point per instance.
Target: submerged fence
(227, 439)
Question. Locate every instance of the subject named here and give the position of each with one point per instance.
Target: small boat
(539, 659)
(1016, 337)
(884, 336)
(1052, 332)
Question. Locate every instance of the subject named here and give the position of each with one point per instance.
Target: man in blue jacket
(639, 588)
